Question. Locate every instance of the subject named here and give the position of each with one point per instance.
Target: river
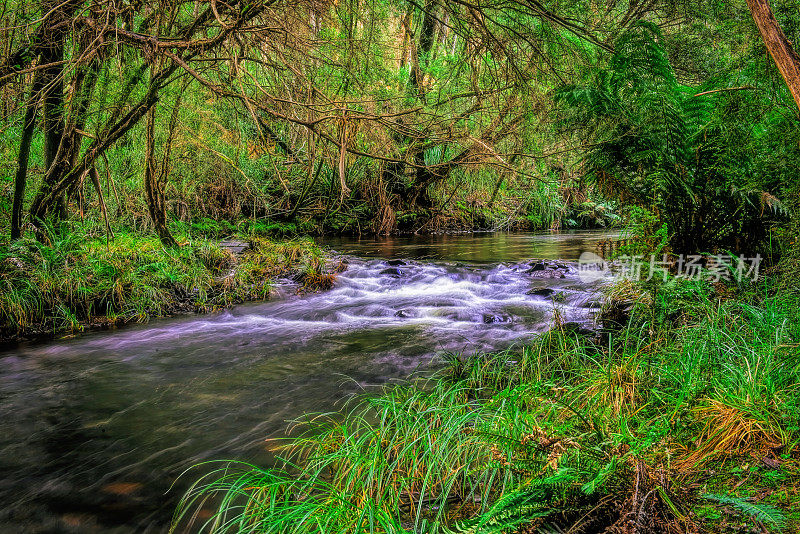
(96, 428)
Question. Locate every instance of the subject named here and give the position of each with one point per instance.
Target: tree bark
(22, 160)
(779, 47)
(153, 187)
(53, 114)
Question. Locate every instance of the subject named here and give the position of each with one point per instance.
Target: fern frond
(534, 500)
(760, 512)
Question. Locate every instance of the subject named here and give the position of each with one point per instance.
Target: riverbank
(96, 428)
(78, 283)
(682, 420)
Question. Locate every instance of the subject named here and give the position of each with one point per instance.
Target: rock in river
(392, 271)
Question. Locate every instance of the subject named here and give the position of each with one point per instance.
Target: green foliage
(709, 146)
(659, 145)
(211, 228)
(519, 507)
(759, 512)
(76, 281)
(591, 214)
(644, 233)
(564, 432)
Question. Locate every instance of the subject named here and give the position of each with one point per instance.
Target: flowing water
(95, 429)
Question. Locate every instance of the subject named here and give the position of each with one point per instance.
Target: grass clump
(75, 282)
(683, 420)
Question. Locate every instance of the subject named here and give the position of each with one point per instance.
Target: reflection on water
(473, 248)
(94, 430)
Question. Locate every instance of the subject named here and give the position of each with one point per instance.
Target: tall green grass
(697, 394)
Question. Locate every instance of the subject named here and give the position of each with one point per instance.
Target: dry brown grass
(728, 432)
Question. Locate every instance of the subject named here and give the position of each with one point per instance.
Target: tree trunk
(152, 185)
(22, 160)
(53, 113)
(420, 58)
(57, 147)
(45, 201)
(423, 50)
(779, 47)
(407, 36)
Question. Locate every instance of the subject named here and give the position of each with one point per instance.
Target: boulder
(539, 266)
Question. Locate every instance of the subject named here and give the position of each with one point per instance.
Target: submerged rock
(541, 292)
(395, 263)
(392, 271)
(490, 318)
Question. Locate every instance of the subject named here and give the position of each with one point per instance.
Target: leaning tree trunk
(82, 90)
(779, 47)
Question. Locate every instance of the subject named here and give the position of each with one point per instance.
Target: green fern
(534, 500)
(660, 145)
(760, 512)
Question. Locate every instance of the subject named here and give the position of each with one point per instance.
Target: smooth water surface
(479, 248)
(95, 429)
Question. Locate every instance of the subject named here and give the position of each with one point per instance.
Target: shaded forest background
(384, 117)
